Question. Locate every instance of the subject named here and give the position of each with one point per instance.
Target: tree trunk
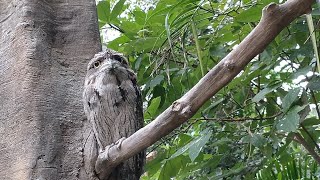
(44, 50)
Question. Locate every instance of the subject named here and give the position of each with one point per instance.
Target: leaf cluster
(248, 129)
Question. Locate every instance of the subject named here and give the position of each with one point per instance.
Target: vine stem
(195, 35)
(313, 39)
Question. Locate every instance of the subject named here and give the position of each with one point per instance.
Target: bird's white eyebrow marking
(95, 60)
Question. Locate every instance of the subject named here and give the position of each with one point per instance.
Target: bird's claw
(106, 151)
(119, 142)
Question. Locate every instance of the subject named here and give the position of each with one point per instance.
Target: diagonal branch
(298, 138)
(274, 19)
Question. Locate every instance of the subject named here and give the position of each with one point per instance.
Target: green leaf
(220, 142)
(257, 140)
(252, 14)
(301, 71)
(194, 146)
(314, 84)
(155, 81)
(154, 165)
(145, 44)
(117, 10)
(103, 9)
(153, 107)
(265, 2)
(115, 44)
(138, 62)
(290, 122)
(181, 151)
(130, 28)
(139, 16)
(184, 139)
(168, 170)
(197, 146)
(261, 95)
(175, 165)
(290, 98)
(311, 121)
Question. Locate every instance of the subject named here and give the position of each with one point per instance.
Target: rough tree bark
(44, 50)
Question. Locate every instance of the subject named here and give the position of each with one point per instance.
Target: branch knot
(183, 109)
(230, 65)
(270, 9)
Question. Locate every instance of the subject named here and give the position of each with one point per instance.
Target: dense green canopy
(263, 125)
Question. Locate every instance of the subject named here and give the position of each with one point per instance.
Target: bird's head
(109, 62)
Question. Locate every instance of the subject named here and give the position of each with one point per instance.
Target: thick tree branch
(298, 138)
(274, 19)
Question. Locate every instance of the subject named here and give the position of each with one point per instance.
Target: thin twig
(240, 119)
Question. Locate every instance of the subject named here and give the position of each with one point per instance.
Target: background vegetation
(263, 125)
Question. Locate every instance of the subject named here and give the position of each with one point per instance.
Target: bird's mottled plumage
(113, 105)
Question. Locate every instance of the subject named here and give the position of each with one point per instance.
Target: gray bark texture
(44, 50)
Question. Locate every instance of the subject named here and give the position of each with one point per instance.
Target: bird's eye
(97, 64)
(119, 58)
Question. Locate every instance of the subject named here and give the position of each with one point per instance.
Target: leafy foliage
(247, 130)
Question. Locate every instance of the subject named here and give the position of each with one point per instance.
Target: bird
(112, 102)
